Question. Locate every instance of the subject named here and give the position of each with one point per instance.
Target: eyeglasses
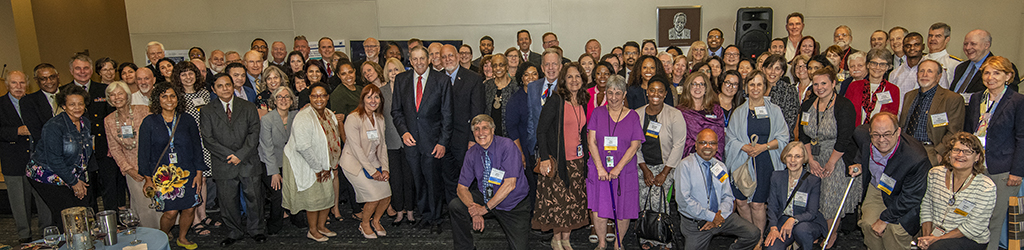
(48, 78)
(259, 47)
(732, 54)
(955, 151)
(879, 136)
(732, 84)
(877, 64)
(283, 97)
(697, 85)
(707, 143)
(631, 53)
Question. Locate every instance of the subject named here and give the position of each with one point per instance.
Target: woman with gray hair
(123, 127)
(275, 129)
(272, 79)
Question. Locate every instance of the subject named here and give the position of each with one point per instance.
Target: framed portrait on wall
(678, 26)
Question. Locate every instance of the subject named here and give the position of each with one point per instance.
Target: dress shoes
(260, 238)
(227, 242)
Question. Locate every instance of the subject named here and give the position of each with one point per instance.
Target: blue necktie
(712, 195)
(487, 176)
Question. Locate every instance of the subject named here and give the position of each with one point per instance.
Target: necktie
(487, 175)
(53, 106)
(526, 56)
(966, 80)
(329, 71)
(547, 89)
(259, 84)
(419, 92)
(712, 195)
(229, 111)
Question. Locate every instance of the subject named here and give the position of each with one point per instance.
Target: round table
(153, 238)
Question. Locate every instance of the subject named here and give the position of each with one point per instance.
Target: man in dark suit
(468, 101)
(230, 128)
(966, 76)
(524, 41)
(253, 70)
(16, 141)
(422, 110)
(44, 100)
(486, 48)
(240, 82)
(896, 167)
(154, 52)
(112, 184)
(932, 114)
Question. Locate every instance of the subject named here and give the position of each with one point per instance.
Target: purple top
(877, 162)
(627, 186)
(697, 120)
(504, 156)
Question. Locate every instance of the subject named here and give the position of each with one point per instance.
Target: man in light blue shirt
(540, 90)
(705, 199)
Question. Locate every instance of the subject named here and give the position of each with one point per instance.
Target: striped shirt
(935, 207)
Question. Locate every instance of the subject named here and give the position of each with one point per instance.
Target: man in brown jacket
(932, 114)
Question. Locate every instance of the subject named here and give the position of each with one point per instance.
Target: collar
(252, 79)
(977, 65)
(553, 84)
(225, 104)
(874, 151)
(453, 74)
(930, 92)
(937, 55)
(14, 100)
(424, 75)
(84, 86)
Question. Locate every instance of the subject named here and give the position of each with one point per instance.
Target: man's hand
(408, 140)
(477, 210)
(854, 170)
(478, 223)
(1013, 181)
(23, 130)
(878, 227)
(233, 160)
(275, 181)
(438, 151)
(714, 223)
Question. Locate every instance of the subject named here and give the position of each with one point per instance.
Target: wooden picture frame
(678, 26)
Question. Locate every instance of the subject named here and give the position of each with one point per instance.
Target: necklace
(127, 141)
(952, 181)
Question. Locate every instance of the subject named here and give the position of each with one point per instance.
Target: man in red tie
(422, 110)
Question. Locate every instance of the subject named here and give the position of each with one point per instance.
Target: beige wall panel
(335, 19)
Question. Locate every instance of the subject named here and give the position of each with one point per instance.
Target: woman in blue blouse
(172, 165)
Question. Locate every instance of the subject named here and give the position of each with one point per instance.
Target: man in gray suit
(230, 127)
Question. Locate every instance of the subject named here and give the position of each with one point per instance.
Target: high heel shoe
(397, 222)
(310, 236)
(328, 234)
(556, 244)
(566, 245)
(368, 236)
(380, 231)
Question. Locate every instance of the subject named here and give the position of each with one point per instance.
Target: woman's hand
(614, 174)
(149, 184)
(602, 175)
(829, 167)
(80, 189)
(924, 242)
(545, 167)
(747, 148)
(136, 176)
(772, 236)
(815, 168)
(275, 181)
(648, 176)
(660, 178)
(199, 180)
(386, 174)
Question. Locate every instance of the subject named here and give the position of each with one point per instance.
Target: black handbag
(654, 228)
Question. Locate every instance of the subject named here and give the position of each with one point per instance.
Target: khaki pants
(894, 236)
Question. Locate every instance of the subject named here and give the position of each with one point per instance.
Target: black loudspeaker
(753, 30)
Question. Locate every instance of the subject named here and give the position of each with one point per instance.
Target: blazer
(238, 136)
(843, 112)
(250, 94)
(909, 166)
(43, 112)
(779, 194)
(273, 136)
(976, 84)
(97, 108)
(535, 59)
(355, 157)
(1004, 146)
(672, 137)
(16, 147)
(467, 102)
(432, 124)
(945, 101)
(551, 146)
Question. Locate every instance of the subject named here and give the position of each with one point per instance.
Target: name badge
(579, 150)
(939, 120)
(967, 97)
(886, 184)
(711, 116)
(804, 118)
(719, 171)
(760, 112)
(884, 98)
(173, 157)
(800, 199)
(127, 131)
(964, 208)
(679, 90)
(611, 143)
(609, 161)
(497, 176)
(653, 129)
(199, 102)
(938, 231)
(372, 135)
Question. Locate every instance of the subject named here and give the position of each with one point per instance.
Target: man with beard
(468, 88)
(630, 52)
(486, 48)
(145, 80)
(217, 61)
(843, 36)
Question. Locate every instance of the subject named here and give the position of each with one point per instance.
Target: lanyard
(887, 158)
(170, 132)
(818, 116)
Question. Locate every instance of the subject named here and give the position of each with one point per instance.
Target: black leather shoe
(24, 240)
(227, 242)
(436, 228)
(397, 223)
(260, 238)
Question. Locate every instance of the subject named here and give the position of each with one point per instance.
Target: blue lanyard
(170, 132)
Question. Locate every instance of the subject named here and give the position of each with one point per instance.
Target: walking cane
(836, 220)
(615, 216)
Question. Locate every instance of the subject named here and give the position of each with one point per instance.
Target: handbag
(536, 167)
(743, 179)
(654, 228)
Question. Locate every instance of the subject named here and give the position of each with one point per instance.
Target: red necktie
(419, 92)
(229, 111)
(329, 71)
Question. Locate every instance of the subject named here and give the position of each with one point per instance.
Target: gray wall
(9, 54)
(232, 24)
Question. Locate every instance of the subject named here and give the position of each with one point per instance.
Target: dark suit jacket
(779, 194)
(43, 112)
(97, 109)
(534, 58)
(909, 166)
(238, 136)
(16, 147)
(432, 124)
(250, 94)
(467, 102)
(1004, 148)
(976, 84)
(944, 101)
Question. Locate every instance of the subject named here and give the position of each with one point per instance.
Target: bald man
(468, 91)
(253, 70)
(966, 77)
(372, 49)
(217, 61)
(15, 141)
(434, 55)
(145, 80)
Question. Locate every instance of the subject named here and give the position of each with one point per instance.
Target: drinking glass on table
(131, 219)
(51, 236)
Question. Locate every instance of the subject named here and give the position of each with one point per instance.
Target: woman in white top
(313, 148)
(958, 204)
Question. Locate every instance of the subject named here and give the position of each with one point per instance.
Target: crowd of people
(773, 148)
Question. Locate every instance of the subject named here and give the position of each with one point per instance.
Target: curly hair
(183, 66)
(637, 78)
(972, 142)
(562, 90)
(159, 89)
(71, 89)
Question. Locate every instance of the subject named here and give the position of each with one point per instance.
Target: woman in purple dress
(613, 183)
(699, 104)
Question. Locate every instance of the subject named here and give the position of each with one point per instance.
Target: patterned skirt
(560, 207)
